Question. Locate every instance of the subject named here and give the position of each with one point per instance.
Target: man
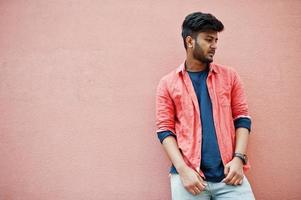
(202, 119)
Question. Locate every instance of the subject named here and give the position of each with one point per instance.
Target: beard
(199, 55)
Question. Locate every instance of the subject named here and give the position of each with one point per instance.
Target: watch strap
(241, 156)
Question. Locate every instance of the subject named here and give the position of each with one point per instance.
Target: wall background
(77, 91)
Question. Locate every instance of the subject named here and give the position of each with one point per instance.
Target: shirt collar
(212, 68)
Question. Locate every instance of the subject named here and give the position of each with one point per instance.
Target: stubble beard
(198, 54)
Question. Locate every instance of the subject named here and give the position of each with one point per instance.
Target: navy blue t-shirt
(211, 162)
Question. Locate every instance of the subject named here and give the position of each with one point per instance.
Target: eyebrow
(211, 37)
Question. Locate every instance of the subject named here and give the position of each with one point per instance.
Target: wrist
(180, 169)
(242, 157)
(236, 159)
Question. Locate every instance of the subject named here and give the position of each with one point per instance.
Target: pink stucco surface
(77, 91)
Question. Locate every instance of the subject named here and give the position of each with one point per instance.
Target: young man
(202, 119)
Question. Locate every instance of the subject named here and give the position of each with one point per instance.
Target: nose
(214, 45)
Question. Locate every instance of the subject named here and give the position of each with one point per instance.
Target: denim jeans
(213, 191)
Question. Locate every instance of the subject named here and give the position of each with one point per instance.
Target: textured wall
(77, 86)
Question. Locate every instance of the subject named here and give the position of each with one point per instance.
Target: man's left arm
(242, 122)
(234, 169)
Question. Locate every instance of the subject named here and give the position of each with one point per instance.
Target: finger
(199, 186)
(192, 191)
(202, 181)
(197, 191)
(228, 178)
(237, 182)
(240, 180)
(234, 179)
(238, 177)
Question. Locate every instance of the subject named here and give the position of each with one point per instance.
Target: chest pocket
(183, 101)
(224, 95)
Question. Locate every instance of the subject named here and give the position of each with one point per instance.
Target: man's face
(205, 46)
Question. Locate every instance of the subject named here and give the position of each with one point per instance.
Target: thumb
(227, 169)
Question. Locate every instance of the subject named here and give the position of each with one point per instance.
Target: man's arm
(234, 169)
(165, 120)
(191, 180)
(242, 122)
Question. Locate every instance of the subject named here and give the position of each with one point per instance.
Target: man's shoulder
(170, 76)
(169, 80)
(224, 69)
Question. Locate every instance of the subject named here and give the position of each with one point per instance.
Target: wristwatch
(243, 157)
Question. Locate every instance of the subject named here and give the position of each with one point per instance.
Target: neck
(195, 65)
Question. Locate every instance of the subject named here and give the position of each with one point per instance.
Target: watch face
(246, 159)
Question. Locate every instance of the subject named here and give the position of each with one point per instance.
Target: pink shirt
(177, 110)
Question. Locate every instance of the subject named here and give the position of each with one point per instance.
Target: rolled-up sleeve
(164, 134)
(240, 111)
(165, 109)
(243, 122)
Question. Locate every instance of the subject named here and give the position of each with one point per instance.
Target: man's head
(199, 32)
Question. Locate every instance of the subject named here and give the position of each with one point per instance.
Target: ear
(189, 42)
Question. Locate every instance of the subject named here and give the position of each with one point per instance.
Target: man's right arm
(165, 120)
(191, 180)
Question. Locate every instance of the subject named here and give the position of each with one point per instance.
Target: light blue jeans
(213, 191)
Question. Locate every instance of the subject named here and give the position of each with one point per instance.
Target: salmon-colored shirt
(177, 110)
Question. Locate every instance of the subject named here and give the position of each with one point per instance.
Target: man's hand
(192, 181)
(234, 172)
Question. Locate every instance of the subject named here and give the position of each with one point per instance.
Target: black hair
(197, 22)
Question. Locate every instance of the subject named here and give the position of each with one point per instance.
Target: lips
(211, 52)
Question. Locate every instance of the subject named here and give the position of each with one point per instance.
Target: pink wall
(77, 86)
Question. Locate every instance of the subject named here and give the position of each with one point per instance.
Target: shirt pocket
(183, 102)
(184, 107)
(224, 96)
